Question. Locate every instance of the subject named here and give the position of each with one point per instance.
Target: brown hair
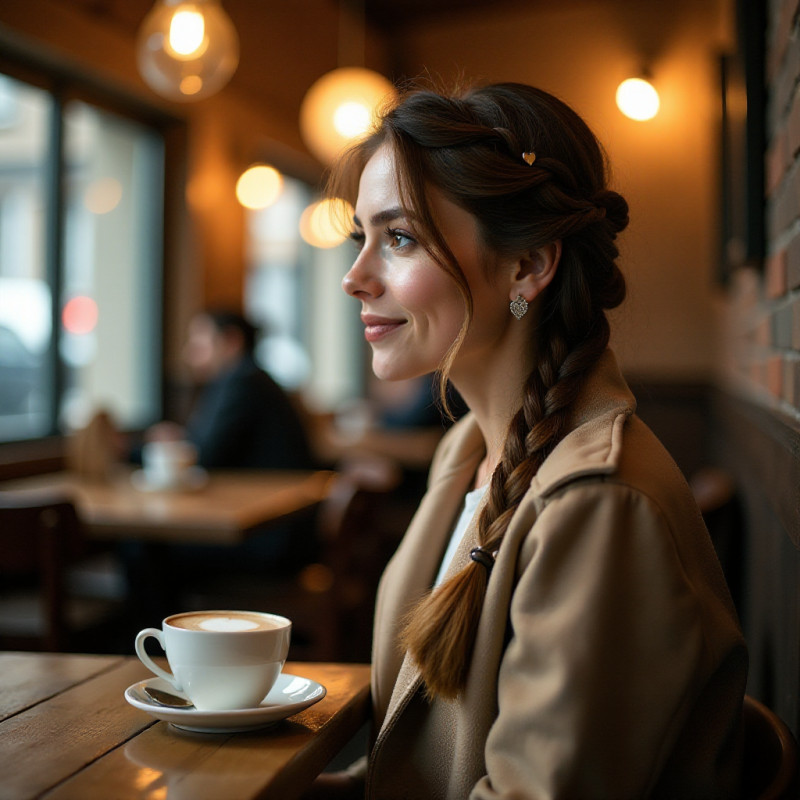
(470, 147)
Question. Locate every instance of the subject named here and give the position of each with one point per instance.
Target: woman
(555, 622)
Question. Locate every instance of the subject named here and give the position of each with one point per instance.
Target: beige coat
(609, 661)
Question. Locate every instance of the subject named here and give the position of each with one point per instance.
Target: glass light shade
(187, 50)
(320, 223)
(259, 186)
(637, 99)
(340, 107)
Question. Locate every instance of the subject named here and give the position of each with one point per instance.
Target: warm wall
(666, 168)
(580, 50)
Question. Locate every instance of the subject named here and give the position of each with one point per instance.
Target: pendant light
(187, 50)
(341, 105)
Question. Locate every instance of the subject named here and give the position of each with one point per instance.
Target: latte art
(223, 622)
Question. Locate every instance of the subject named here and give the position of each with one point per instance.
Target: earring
(519, 307)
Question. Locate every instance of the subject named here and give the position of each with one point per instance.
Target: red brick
(774, 375)
(777, 162)
(762, 335)
(776, 275)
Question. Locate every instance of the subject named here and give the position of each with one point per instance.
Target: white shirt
(471, 501)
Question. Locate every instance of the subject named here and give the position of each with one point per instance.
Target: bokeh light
(79, 315)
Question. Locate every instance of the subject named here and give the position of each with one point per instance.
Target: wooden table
(66, 730)
(223, 511)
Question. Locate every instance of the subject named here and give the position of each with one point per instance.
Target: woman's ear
(533, 272)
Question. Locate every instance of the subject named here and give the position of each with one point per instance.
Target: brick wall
(766, 309)
(756, 428)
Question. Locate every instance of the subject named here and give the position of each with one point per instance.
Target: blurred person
(242, 418)
(555, 622)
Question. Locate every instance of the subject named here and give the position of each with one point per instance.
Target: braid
(440, 630)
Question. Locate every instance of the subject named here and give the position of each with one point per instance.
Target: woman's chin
(386, 370)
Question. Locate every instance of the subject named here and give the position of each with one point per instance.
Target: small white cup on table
(167, 463)
(220, 660)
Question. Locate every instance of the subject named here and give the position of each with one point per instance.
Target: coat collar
(592, 445)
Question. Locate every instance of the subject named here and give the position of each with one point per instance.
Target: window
(81, 234)
(312, 336)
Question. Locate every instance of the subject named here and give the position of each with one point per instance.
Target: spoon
(167, 699)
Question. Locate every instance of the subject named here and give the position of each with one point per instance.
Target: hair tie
(482, 557)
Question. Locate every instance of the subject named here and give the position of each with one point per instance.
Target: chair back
(38, 537)
(770, 754)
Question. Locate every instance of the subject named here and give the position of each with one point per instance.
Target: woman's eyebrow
(382, 217)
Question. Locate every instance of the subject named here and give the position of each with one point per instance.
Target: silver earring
(519, 307)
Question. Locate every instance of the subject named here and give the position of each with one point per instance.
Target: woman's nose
(361, 279)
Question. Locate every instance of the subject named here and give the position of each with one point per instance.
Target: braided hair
(469, 146)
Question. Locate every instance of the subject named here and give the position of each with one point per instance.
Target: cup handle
(148, 662)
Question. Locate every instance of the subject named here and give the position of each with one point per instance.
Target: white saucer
(289, 695)
(191, 480)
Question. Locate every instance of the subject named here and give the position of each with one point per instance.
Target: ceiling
(285, 45)
(386, 15)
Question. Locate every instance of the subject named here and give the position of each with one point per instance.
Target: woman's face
(411, 308)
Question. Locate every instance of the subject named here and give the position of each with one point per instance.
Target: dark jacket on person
(243, 419)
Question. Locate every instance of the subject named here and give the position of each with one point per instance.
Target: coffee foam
(231, 622)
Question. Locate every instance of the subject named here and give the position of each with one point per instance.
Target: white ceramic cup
(166, 462)
(221, 660)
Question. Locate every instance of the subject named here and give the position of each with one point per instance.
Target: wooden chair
(770, 754)
(40, 538)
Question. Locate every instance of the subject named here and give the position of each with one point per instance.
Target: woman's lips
(376, 328)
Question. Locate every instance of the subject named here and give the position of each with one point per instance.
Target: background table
(66, 729)
(223, 511)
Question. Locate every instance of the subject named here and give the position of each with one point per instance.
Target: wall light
(259, 186)
(187, 50)
(637, 99)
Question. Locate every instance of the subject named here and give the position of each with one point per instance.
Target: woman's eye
(399, 239)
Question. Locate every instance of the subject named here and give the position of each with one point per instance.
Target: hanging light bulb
(340, 107)
(637, 99)
(187, 50)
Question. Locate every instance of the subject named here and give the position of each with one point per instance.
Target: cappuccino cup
(221, 660)
(166, 462)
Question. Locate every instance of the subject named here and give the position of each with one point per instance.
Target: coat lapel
(412, 570)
